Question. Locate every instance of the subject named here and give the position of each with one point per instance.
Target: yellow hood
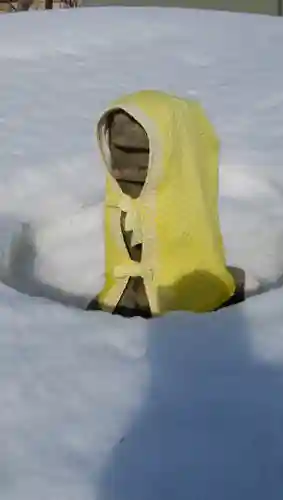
(176, 215)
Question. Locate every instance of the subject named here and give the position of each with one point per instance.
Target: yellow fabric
(176, 215)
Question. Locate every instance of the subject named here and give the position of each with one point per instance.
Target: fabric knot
(132, 269)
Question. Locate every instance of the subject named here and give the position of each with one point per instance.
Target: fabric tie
(132, 221)
(132, 269)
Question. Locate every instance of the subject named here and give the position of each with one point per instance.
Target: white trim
(155, 150)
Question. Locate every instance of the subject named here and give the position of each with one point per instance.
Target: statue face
(129, 148)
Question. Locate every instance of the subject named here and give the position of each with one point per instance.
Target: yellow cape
(176, 215)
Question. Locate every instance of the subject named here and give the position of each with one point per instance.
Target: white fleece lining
(147, 197)
(153, 175)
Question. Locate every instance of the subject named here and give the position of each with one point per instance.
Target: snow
(95, 407)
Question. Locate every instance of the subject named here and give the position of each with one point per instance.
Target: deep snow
(97, 407)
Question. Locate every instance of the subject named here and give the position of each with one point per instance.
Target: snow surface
(95, 407)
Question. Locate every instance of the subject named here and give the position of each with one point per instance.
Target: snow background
(95, 407)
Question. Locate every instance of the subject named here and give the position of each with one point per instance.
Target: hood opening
(128, 146)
